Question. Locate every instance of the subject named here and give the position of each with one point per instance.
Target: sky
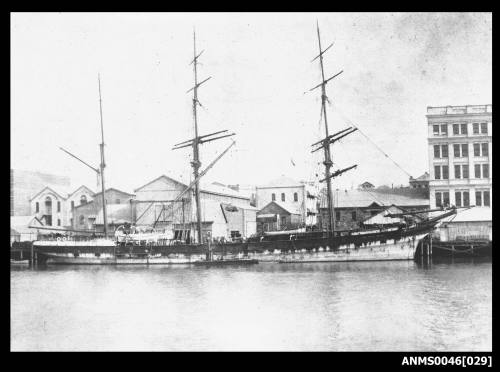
(394, 66)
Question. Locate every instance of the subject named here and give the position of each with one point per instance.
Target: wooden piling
(430, 243)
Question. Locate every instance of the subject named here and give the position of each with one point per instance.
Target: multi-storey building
(54, 206)
(460, 155)
(297, 198)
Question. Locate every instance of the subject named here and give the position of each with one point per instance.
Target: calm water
(328, 306)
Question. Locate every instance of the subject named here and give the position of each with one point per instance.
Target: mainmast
(325, 143)
(197, 140)
(196, 154)
(102, 165)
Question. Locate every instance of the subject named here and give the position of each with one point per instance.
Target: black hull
(286, 245)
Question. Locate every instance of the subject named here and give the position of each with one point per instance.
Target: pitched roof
(365, 198)
(423, 177)
(289, 207)
(53, 189)
(213, 188)
(217, 188)
(381, 219)
(112, 188)
(20, 224)
(80, 187)
(159, 178)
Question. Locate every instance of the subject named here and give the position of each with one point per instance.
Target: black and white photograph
(252, 181)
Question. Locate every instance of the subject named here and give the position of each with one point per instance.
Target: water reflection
(391, 305)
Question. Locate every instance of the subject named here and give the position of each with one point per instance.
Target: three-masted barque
(397, 242)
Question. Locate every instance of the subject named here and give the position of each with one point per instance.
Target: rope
(349, 122)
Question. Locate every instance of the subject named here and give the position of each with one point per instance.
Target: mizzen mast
(325, 143)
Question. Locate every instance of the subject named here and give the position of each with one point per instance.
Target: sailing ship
(396, 242)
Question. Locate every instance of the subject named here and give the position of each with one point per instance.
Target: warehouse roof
(366, 198)
(213, 188)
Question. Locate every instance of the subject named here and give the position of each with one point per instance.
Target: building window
(461, 171)
(484, 149)
(484, 128)
(465, 150)
(462, 198)
(463, 128)
(459, 129)
(273, 197)
(460, 150)
(58, 222)
(437, 153)
(295, 196)
(440, 151)
(442, 198)
(353, 215)
(484, 167)
(71, 221)
(337, 215)
(83, 199)
(465, 170)
(486, 170)
(481, 149)
(486, 199)
(283, 196)
(477, 170)
(82, 220)
(72, 204)
(441, 172)
(479, 198)
(283, 221)
(440, 130)
(48, 205)
(437, 172)
(475, 128)
(477, 149)
(117, 201)
(58, 206)
(37, 207)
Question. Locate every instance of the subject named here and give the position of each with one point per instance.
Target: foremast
(102, 165)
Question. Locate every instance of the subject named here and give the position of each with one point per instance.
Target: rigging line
(349, 122)
(374, 197)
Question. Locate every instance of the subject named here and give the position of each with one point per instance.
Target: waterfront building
(366, 185)
(54, 206)
(119, 208)
(20, 228)
(225, 212)
(291, 195)
(279, 216)
(26, 184)
(353, 207)
(460, 164)
(460, 156)
(421, 182)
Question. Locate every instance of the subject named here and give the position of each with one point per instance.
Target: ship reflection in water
(359, 306)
